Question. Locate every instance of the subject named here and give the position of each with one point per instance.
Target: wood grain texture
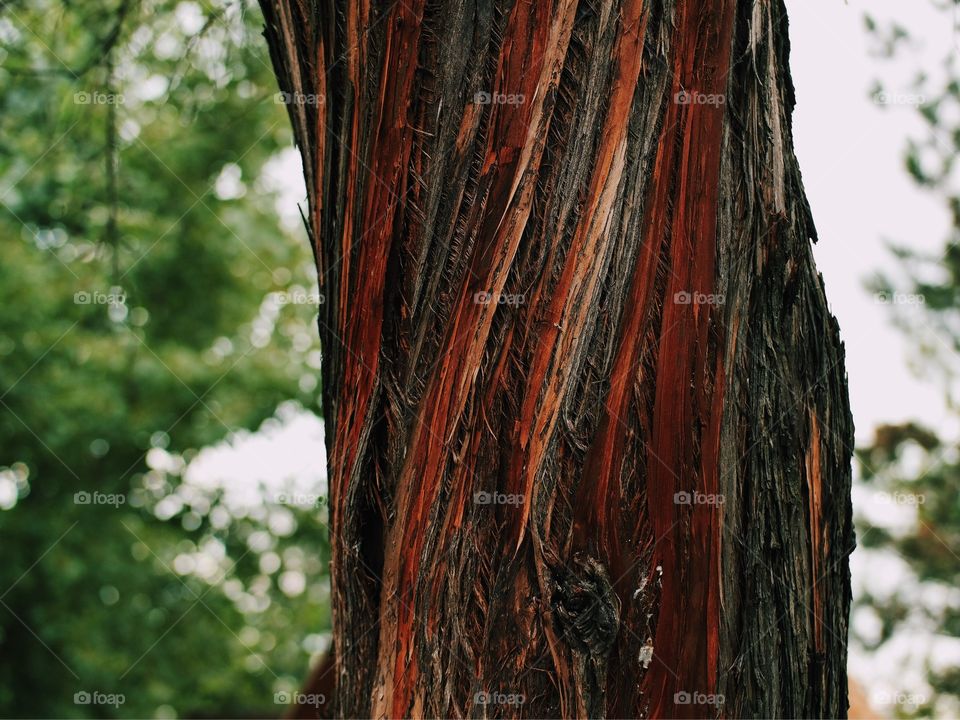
(587, 421)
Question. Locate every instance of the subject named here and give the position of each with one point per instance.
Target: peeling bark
(587, 417)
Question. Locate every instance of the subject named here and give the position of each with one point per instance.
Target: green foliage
(139, 323)
(915, 471)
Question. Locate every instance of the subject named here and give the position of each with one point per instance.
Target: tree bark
(587, 417)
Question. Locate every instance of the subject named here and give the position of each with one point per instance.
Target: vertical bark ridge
(786, 360)
(534, 42)
(563, 323)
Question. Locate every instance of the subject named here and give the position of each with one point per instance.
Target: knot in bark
(586, 608)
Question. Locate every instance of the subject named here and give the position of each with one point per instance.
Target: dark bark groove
(587, 422)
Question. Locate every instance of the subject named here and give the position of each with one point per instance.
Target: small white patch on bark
(646, 654)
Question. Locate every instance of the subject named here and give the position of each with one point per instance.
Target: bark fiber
(566, 256)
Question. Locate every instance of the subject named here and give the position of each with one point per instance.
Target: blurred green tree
(149, 307)
(911, 472)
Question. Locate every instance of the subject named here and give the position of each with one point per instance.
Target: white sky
(851, 154)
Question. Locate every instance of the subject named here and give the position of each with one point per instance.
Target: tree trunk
(587, 417)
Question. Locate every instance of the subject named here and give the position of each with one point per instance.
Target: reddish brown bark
(660, 399)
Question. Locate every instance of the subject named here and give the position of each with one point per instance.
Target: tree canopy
(150, 306)
(909, 519)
